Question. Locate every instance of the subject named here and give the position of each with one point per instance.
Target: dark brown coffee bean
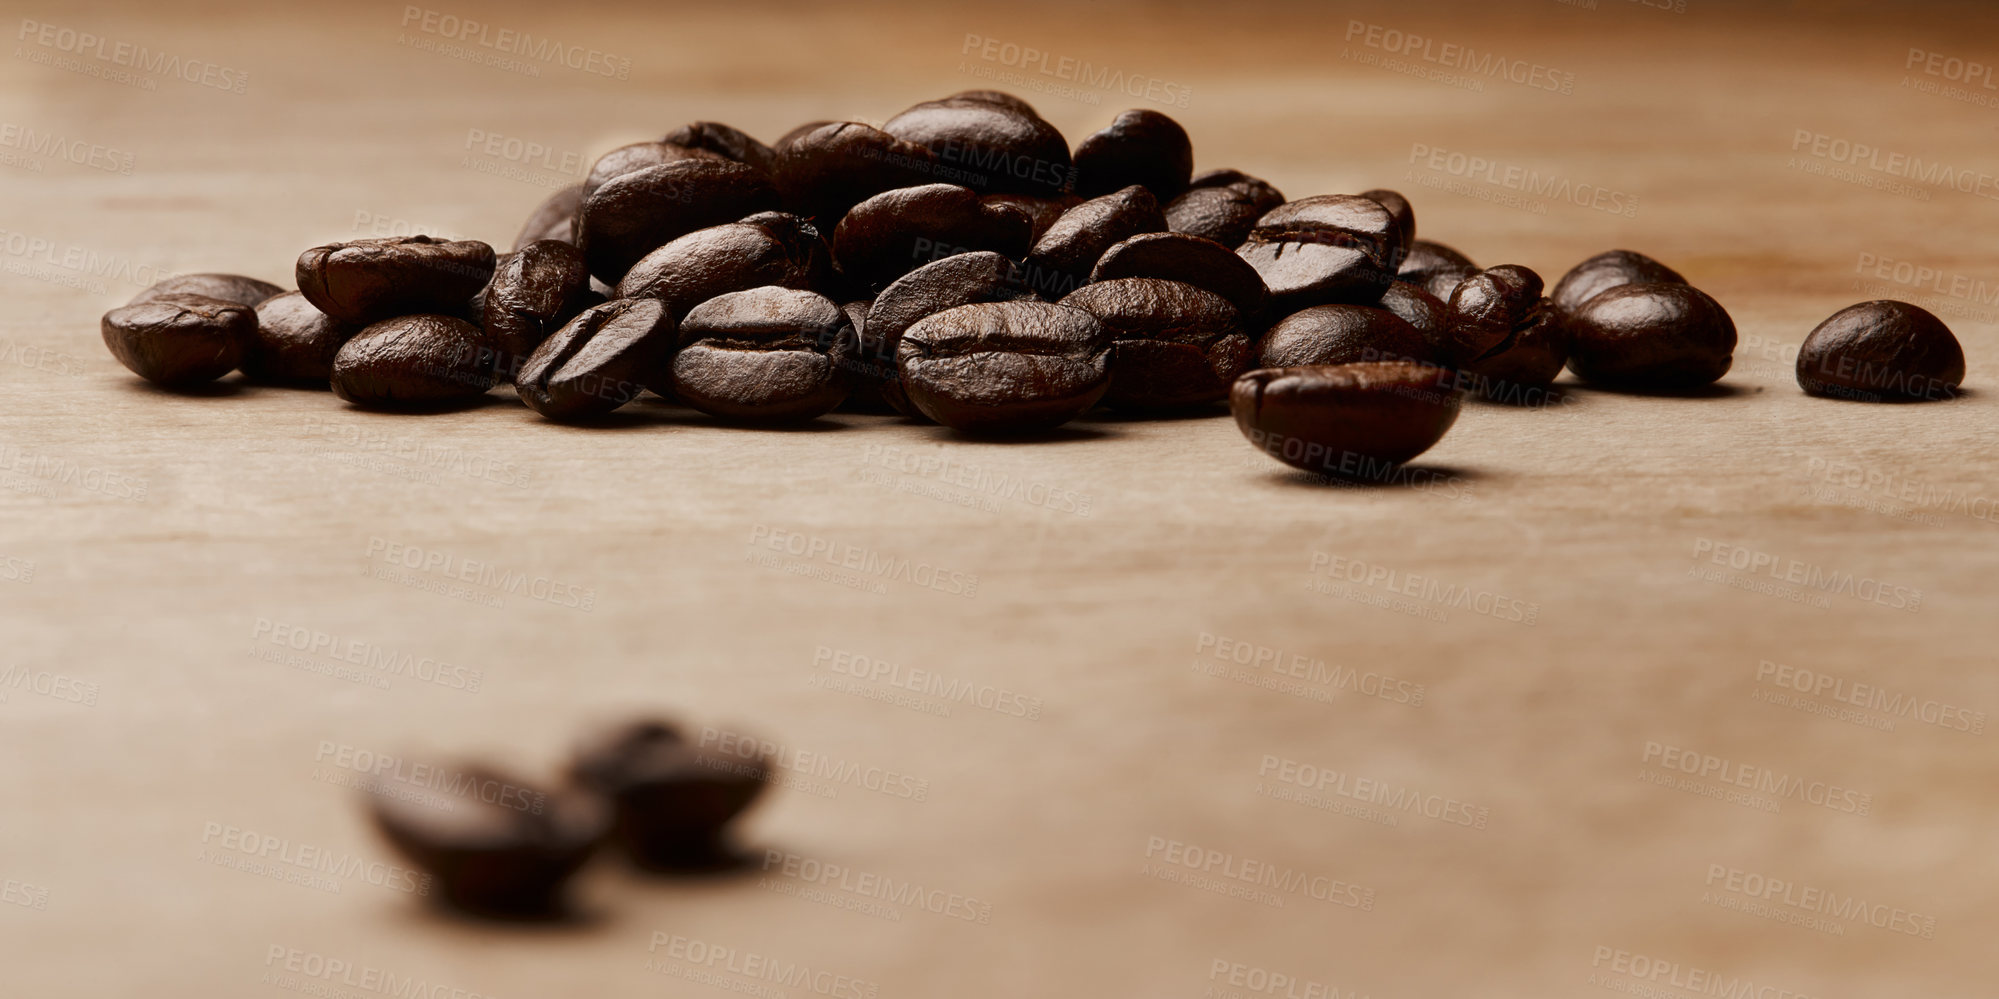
(1044, 211)
(294, 342)
(1403, 213)
(1880, 351)
(1608, 270)
(599, 361)
(999, 146)
(1435, 268)
(505, 853)
(1348, 421)
(226, 287)
(554, 218)
(179, 340)
(1259, 191)
(792, 136)
(1344, 334)
(639, 156)
(1651, 337)
(1176, 345)
(1223, 214)
(764, 355)
(726, 141)
(1520, 370)
(964, 279)
(1178, 256)
(1488, 307)
(1140, 147)
(871, 366)
(1330, 249)
(999, 97)
(897, 231)
(366, 280)
(414, 361)
(769, 248)
(1420, 309)
(673, 799)
(831, 168)
(534, 292)
(1063, 257)
(637, 213)
(1005, 367)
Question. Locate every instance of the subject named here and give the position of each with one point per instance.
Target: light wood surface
(157, 551)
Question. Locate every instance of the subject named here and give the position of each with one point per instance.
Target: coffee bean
(507, 853)
(673, 799)
(534, 292)
(637, 213)
(1063, 257)
(764, 355)
(769, 248)
(726, 141)
(179, 340)
(792, 136)
(1261, 193)
(1176, 345)
(897, 231)
(1651, 337)
(294, 343)
(1002, 146)
(1345, 334)
(1435, 268)
(1044, 211)
(1420, 309)
(1520, 370)
(414, 361)
(1000, 97)
(963, 279)
(871, 366)
(1178, 256)
(831, 168)
(226, 287)
(1403, 213)
(366, 280)
(1140, 147)
(554, 218)
(1222, 205)
(1330, 249)
(1881, 351)
(1348, 421)
(1488, 307)
(1005, 367)
(599, 360)
(639, 156)
(1608, 270)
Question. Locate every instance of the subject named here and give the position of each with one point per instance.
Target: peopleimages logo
(1762, 780)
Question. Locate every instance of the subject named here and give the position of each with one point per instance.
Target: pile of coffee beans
(961, 264)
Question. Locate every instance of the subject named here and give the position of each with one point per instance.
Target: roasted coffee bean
(1435, 268)
(554, 218)
(1334, 248)
(1000, 97)
(764, 355)
(1608, 270)
(792, 136)
(1044, 211)
(1260, 192)
(179, 340)
(1140, 147)
(726, 141)
(1663, 337)
(1176, 345)
(637, 213)
(1521, 369)
(639, 156)
(872, 365)
(769, 248)
(673, 800)
(599, 361)
(964, 279)
(1222, 205)
(897, 231)
(1403, 213)
(534, 292)
(1345, 334)
(992, 146)
(1880, 351)
(1488, 307)
(294, 342)
(1005, 367)
(1063, 257)
(226, 287)
(831, 168)
(1178, 256)
(414, 361)
(366, 280)
(1420, 309)
(1348, 421)
(508, 853)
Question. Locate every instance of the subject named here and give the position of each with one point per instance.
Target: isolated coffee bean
(1043, 211)
(1063, 257)
(726, 141)
(1140, 147)
(673, 800)
(638, 156)
(1344, 334)
(1005, 367)
(414, 361)
(179, 340)
(226, 287)
(1880, 351)
(1178, 256)
(964, 279)
(639, 212)
(1520, 371)
(1435, 268)
(1420, 309)
(1488, 307)
(1334, 248)
(294, 343)
(764, 355)
(1663, 337)
(829, 169)
(534, 292)
(769, 248)
(554, 218)
(365, 280)
(1608, 270)
(995, 146)
(1349, 421)
(1403, 213)
(897, 231)
(504, 853)
(1259, 191)
(599, 360)
(1176, 345)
